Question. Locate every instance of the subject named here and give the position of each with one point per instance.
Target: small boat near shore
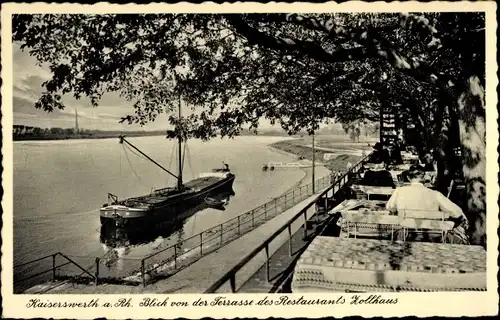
(215, 203)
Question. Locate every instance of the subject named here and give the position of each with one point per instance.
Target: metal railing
(175, 257)
(22, 281)
(230, 276)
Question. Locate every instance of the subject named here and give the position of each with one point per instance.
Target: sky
(28, 76)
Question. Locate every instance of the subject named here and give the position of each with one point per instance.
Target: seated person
(380, 154)
(395, 154)
(377, 177)
(362, 171)
(428, 162)
(418, 201)
(404, 176)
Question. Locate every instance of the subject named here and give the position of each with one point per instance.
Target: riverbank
(343, 151)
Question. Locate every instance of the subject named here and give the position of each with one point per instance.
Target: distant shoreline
(100, 135)
(299, 148)
(113, 135)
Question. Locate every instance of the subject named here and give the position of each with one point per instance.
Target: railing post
(97, 270)
(232, 281)
(253, 219)
(326, 202)
(267, 262)
(201, 243)
(305, 224)
(293, 197)
(265, 208)
(275, 205)
(290, 240)
(54, 267)
(221, 231)
(239, 225)
(285, 201)
(143, 270)
(175, 257)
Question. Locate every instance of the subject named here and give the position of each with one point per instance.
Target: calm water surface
(59, 186)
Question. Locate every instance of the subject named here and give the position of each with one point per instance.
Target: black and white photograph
(331, 158)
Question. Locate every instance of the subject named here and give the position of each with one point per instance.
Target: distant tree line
(22, 132)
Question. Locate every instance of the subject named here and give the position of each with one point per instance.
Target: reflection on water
(121, 239)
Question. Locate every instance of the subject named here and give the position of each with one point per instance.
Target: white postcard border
(417, 304)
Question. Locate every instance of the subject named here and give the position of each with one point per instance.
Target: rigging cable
(131, 167)
(120, 173)
(184, 156)
(135, 152)
(189, 163)
(172, 153)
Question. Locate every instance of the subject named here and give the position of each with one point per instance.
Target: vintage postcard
(260, 160)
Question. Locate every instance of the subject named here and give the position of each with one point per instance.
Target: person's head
(377, 146)
(416, 173)
(427, 158)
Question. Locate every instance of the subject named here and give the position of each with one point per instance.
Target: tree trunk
(423, 145)
(471, 121)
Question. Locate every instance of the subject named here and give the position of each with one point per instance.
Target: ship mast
(179, 139)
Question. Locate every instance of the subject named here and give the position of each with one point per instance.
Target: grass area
(303, 150)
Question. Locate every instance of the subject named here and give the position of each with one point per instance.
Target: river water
(59, 186)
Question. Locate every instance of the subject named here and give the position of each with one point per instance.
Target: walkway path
(281, 263)
(199, 276)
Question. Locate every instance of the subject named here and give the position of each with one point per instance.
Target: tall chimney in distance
(77, 130)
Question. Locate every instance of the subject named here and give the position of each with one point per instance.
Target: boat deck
(162, 195)
(201, 183)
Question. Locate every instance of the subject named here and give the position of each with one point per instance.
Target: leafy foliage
(292, 69)
(234, 69)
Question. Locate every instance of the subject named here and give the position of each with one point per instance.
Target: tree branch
(373, 47)
(289, 45)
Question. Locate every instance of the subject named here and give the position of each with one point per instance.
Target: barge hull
(171, 207)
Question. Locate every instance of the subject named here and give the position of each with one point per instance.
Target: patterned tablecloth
(356, 204)
(409, 156)
(428, 175)
(369, 218)
(367, 265)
